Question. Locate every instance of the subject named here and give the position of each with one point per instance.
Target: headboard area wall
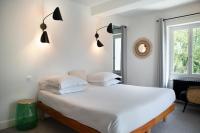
(24, 59)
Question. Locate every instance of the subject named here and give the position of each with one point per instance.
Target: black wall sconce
(56, 16)
(109, 30)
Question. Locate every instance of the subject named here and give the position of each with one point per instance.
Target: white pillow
(66, 90)
(107, 83)
(102, 77)
(78, 73)
(61, 82)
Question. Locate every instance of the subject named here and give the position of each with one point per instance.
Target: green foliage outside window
(181, 45)
(180, 51)
(196, 51)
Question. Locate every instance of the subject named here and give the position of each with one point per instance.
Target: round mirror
(142, 47)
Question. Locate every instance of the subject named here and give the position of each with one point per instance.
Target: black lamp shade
(110, 28)
(57, 14)
(44, 38)
(99, 44)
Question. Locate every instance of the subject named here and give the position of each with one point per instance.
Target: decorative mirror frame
(147, 44)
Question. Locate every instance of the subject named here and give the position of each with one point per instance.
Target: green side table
(26, 114)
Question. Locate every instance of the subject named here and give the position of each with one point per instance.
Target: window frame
(170, 39)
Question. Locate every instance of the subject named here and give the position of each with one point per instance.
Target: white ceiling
(130, 7)
(158, 6)
(91, 2)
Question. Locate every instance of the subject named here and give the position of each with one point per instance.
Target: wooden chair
(192, 95)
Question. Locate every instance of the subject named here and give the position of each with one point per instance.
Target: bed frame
(80, 128)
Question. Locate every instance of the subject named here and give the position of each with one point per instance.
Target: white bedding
(115, 109)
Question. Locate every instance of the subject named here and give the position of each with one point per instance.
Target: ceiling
(158, 6)
(130, 7)
(91, 2)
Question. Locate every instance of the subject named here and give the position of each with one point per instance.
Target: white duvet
(115, 109)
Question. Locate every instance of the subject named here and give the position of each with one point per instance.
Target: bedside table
(26, 114)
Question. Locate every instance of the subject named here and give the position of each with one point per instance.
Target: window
(196, 50)
(184, 43)
(117, 53)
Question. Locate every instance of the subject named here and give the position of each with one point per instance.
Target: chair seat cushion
(193, 94)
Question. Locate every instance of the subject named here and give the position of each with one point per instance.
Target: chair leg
(186, 103)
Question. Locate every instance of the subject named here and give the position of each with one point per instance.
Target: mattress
(114, 109)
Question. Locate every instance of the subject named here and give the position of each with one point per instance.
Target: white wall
(19, 24)
(21, 54)
(73, 39)
(144, 72)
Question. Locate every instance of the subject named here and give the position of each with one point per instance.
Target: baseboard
(6, 124)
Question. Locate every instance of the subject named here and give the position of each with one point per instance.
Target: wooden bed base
(80, 128)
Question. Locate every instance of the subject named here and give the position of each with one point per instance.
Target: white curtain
(164, 55)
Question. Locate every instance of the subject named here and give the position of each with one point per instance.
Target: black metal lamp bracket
(101, 28)
(43, 26)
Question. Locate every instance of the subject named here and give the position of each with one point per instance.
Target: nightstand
(26, 114)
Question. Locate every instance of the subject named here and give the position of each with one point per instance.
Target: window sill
(194, 77)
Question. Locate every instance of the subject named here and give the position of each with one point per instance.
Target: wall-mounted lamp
(109, 30)
(56, 16)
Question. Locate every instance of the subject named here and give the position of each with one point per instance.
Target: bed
(114, 109)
